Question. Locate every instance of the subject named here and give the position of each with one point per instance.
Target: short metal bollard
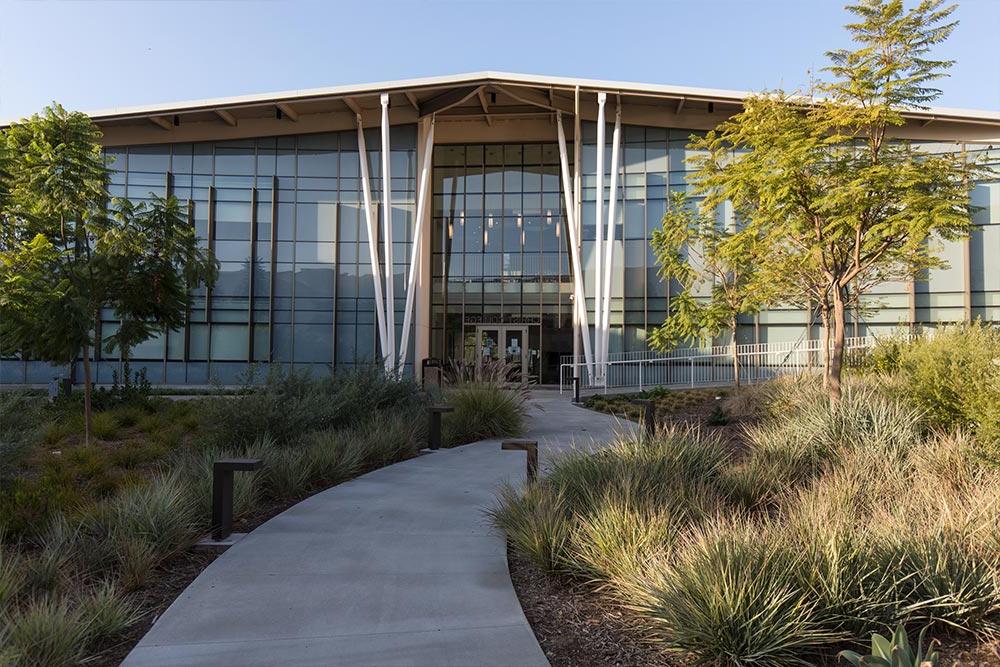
(576, 389)
(529, 446)
(434, 435)
(648, 420)
(222, 493)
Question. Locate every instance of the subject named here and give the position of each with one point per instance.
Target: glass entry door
(503, 343)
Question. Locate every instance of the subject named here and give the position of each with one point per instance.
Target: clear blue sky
(95, 55)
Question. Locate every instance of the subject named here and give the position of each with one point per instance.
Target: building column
(422, 325)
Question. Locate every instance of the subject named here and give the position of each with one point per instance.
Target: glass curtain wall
(283, 216)
(500, 252)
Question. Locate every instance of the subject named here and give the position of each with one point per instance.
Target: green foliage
(483, 409)
(535, 523)
(697, 254)
(895, 652)
(289, 406)
(837, 204)
(47, 632)
(730, 597)
(953, 376)
(20, 413)
(64, 255)
(12, 575)
(104, 426)
(106, 612)
(885, 357)
(836, 520)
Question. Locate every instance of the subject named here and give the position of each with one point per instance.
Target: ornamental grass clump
(483, 410)
(829, 523)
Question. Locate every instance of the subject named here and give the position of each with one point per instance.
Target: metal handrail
(700, 366)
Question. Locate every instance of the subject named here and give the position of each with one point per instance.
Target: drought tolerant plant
(482, 410)
(895, 652)
(954, 377)
(290, 405)
(837, 520)
(20, 413)
(729, 596)
(47, 632)
(106, 612)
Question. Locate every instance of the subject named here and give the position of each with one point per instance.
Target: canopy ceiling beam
(448, 99)
(352, 105)
(412, 99)
(226, 117)
(161, 121)
(485, 105)
(288, 111)
(534, 98)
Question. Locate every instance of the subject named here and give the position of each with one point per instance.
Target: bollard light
(529, 446)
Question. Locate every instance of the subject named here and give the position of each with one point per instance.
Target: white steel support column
(609, 246)
(390, 301)
(599, 237)
(366, 190)
(577, 303)
(415, 254)
(579, 293)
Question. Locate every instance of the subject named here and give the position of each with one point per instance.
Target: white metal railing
(702, 366)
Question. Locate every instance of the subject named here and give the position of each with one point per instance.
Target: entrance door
(506, 343)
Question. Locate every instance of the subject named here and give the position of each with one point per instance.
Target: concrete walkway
(398, 567)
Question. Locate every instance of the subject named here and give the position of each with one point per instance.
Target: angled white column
(576, 212)
(366, 190)
(425, 168)
(599, 237)
(390, 301)
(579, 293)
(610, 241)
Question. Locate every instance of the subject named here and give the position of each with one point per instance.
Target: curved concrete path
(398, 567)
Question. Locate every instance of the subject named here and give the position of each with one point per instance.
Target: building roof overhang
(483, 95)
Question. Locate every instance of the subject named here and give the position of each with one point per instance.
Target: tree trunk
(825, 319)
(837, 357)
(736, 358)
(86, 394)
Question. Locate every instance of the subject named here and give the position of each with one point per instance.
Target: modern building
(493, 223)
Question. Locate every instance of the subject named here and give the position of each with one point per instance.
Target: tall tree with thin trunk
(715, 272)
(824, 181)
(67, 250)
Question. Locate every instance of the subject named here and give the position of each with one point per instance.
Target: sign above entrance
(501, 318)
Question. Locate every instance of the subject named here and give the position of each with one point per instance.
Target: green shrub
(106, 612)
(953, 376)
(886, 356)
(835, 522)
(616, 540)
(134, 454)
(729, 596)
(47, 632)
(20, 413)
(483, 410)
(160, 513)
(128, 416)
(287, 407)
(12, 575)
(104, 426)
(535, 523)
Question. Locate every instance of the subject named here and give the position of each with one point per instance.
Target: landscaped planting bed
(818, 526)
(95, 538)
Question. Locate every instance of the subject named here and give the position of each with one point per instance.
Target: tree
(67, 250)
(824, 183)
(694, 252)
